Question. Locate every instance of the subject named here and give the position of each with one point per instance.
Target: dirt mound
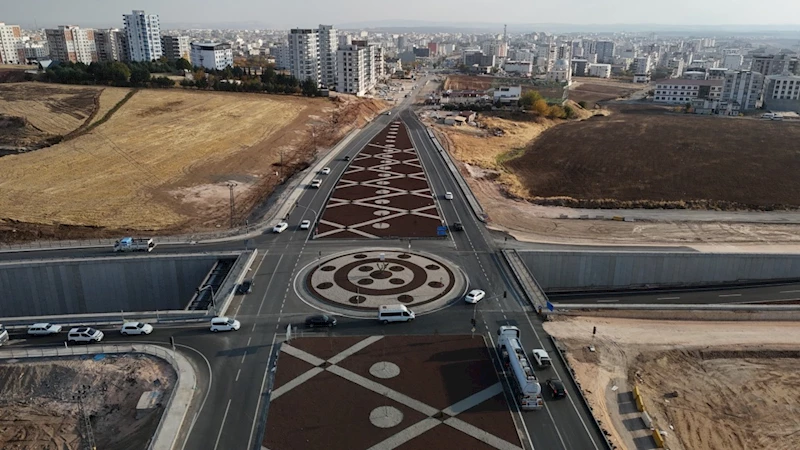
(39, 401)
(12, 76)
(18, 135)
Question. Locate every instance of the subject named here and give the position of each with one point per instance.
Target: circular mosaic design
(381, 213)
(368, 281)
(380, 225)
(382, 183)
(382, 201)
(384, 370)
(327, 268)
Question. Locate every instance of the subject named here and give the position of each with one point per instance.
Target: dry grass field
(159, 162)
(647, 156)
(482, 83)
(592, 90)
(49, 108)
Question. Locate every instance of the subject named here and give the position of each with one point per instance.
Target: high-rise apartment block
(605, 52)
(328, 43)
(775, 64)
(212, 55)
(304, 54)
(11, 50)
(176, 47)
(144, 36)
(69, 43)
(112, 45)
(742, 90)
(351, 69)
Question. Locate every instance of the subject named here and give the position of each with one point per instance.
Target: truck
(129, 244)
(525, 385)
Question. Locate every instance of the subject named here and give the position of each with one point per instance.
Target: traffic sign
(441, 231)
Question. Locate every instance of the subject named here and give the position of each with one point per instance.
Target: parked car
(306, 224)
(326, 171)
(245, 287)
(321, 320)
(224, 324)
(44, 329)
(280, 227)
(457, 226)
(475, 296)
(129, 328)
(85, 335)
(556, 387)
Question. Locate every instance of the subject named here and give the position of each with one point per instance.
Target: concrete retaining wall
(565, 270)
(100, 285)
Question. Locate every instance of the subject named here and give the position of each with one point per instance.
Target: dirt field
(37, 409)
(649, 157)
(163, 160)
(720, 385)
(592, 90)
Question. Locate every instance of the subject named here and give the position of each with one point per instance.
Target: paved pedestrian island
(363, 280)
(383, 193)
(392, 392)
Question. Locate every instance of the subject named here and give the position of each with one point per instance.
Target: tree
(309, 88)
(528, 99)
(200, 79)
(187, 83)
(569, 112)
(139, 75)
(162, 82)
(582, 104)
(183, 64)
(119, 73)
(540, 107)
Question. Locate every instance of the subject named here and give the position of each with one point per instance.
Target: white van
(395, 313)
(224, 324)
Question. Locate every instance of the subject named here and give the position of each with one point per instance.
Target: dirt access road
(720, 385)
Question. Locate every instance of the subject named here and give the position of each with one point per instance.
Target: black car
(557, 389)
(246, 287)
(321, 320)
(347, 158)
(457, 226)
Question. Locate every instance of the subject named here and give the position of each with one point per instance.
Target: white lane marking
(205, 397)
(730, 295)
(611, 300)
(667, 298)
(268, 285)
(789, 292)
(261, 393)
(222, 425)
(239, 372)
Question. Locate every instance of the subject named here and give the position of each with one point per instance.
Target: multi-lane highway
(232, 415)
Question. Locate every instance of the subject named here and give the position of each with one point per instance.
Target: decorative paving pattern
(383, 193)
(333, 405)
(365, 279)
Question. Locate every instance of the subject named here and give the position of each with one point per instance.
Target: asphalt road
(232, 415)
(773, 293)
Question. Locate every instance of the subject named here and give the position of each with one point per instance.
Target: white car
(280, 228)
(44, 329)
(224, 324)
(316, 183)
(448, 195)
(306, 224)
(541, 357)
(129, 328)
(326, 171)
(388, 113)
(84, 334)
(475, 296)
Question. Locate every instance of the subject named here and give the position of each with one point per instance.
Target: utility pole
(233, 202)
(87, 435)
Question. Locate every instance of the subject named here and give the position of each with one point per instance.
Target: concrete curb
(462, 183)
(178, 404)
(530, 287)
(223, 307)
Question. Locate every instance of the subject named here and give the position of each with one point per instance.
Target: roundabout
(358, 282)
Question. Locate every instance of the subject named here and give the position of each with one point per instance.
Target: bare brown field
(650, 157)
(482, 83)
(710, 385)
(161, 161)
(108, 99)
(592, 90)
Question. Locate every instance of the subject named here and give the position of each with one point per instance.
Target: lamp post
(213, 304)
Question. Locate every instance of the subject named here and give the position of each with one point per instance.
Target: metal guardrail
(531, 288)
(156, 317)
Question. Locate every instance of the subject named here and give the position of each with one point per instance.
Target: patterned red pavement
(383, 193)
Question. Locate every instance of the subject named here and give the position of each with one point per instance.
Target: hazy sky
(306, 13)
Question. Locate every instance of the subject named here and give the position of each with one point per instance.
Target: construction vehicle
(527, 389)
(129, 244)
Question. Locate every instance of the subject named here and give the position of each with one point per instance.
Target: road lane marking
(237, 374)
(612, 300)
(730, 295)
(789, 292)
(261, 393)
(268, 285)
(222, 426)
(667, 298)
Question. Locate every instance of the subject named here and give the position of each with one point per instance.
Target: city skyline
(48, 13)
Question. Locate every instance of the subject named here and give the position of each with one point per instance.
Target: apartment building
(371, 76)
(600, 70)
(524, 68)
(143, 32)
(112, 45)
(579, 67)
(11, 50)
(641, 65)
(69, 43)
(681, 91)
(36, 50)
(176, 47)
(782, 92)
(304, 54)
(211, 55)
(732, 61)
(328, 44)
(742, 90)
(561, 72)
(605, 52)
(281, 55)
(351, 69)
(775, 64)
